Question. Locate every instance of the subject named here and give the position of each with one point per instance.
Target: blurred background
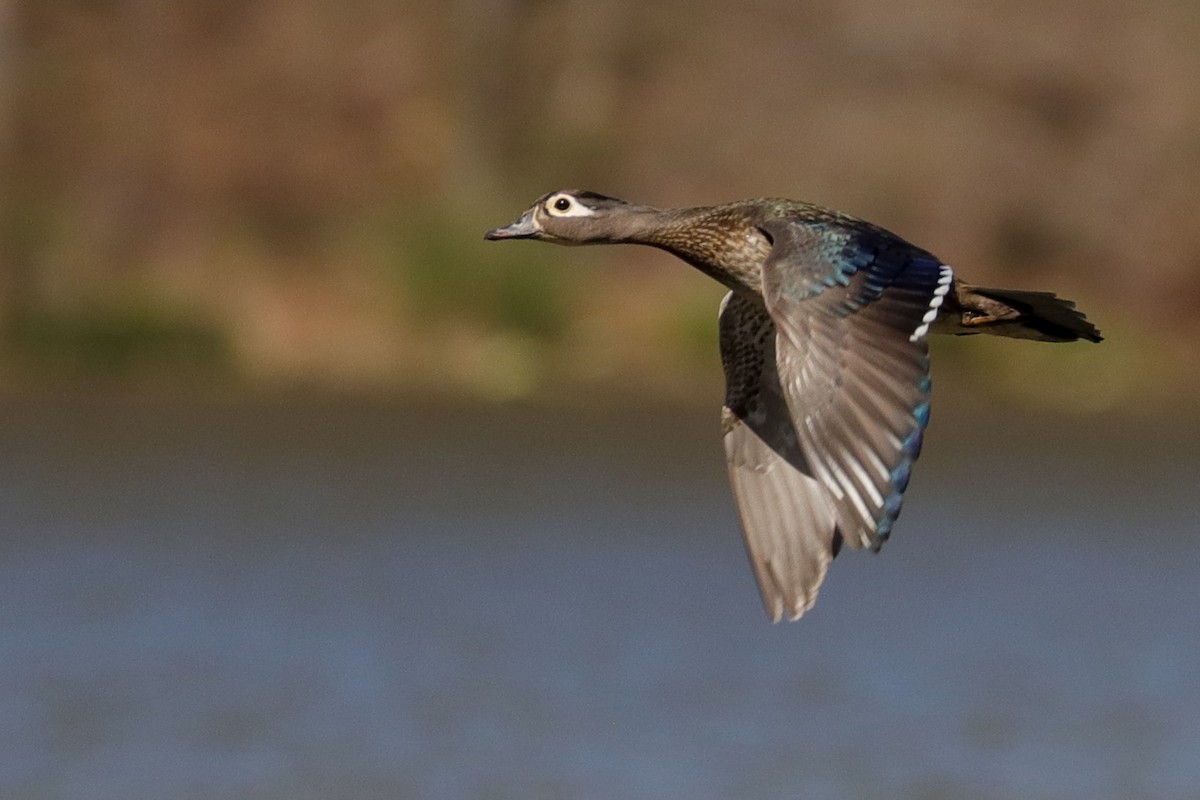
(310, 492)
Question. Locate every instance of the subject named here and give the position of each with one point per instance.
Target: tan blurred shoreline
(269, 194)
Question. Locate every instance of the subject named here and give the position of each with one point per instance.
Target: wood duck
(823, 342)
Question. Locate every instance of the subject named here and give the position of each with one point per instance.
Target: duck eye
(562, 204)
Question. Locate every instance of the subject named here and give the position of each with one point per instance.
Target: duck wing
(788, 518)
(848, 372)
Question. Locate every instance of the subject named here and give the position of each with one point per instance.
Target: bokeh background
(293, 193)
(308, 491)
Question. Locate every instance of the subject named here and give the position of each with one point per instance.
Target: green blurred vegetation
(444, 273)
(115, 341)
(292, 193)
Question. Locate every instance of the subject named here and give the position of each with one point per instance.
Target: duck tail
(1042, 316)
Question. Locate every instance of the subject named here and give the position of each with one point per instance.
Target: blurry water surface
(324, 600)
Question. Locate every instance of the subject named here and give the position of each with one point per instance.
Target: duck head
(575, 217)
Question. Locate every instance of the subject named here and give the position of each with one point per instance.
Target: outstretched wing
(787, 516)
(852, 305)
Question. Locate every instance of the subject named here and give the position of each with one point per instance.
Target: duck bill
(524, 228)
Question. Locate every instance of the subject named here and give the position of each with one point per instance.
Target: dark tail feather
(1041, 315)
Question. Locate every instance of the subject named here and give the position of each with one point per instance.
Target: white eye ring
(564, 205)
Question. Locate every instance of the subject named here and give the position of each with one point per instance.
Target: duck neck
(721, 241)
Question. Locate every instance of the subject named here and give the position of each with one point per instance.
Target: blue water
(272, 599)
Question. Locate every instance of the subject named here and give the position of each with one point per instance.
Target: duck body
(823, 342)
